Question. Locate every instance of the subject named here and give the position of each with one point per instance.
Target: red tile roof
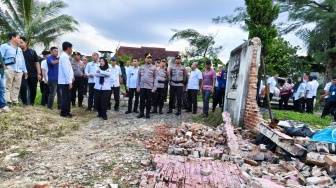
(157, 53)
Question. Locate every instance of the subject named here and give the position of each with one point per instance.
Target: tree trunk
(331, 59)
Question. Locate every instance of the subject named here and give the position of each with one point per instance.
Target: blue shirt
(91, 68)
(332, 93)
(221, 80)
(52, 69)
(132, 77)
(8, 50)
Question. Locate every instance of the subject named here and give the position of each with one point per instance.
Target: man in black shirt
(34, 73)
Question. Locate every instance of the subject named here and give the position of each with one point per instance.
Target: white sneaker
(5, 109)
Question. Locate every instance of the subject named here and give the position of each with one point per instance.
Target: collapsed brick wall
(252, 116)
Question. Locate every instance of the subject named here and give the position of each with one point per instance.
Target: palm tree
(40, 22)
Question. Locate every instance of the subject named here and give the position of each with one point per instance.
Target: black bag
(10, 60)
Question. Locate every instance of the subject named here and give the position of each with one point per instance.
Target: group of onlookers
(69, 76)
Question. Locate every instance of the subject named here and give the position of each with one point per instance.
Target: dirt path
(98, 154)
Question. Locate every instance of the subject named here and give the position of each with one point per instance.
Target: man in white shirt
(115, 80)
(44, 69)
(90, 71)
(132, 77)
(65, 79)
(271, 84)
(309, 95)
(194, 82)
(325, 96)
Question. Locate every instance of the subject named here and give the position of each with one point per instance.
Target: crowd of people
(70, 77)
(303, 93)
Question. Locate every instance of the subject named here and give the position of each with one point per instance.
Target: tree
(282, 58)
(200, 45)
(258, 19)
(40, 22)
(321, 39)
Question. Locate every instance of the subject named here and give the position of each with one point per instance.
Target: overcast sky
(106, 23)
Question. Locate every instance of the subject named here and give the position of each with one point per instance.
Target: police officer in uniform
(78, 85)
(146, 85)
(177, 79)
(161, 90)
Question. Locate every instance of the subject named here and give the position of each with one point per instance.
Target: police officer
(78, 85)
(146, 85)
(161, 90)
(177, 78)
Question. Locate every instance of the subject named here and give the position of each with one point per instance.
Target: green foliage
(200, 45)
(40, 22)
(309, 119)
(321, 39)
(201, 63)
(282, 59)
(125, 58)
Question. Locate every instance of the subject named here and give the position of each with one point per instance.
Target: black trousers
(66, 99)
(30, 82)
(265, 99)
(133, 93)
(309, 102)
(159, 97)
(116, 94)
(298, 104)
(101, 101)
(192, 99)
(91, 95)
(86, 84)
(78, 85)
(283, 102)
(218, 98)
(45, 94)
(145, 100)
(175, 91)
(41, 86)
(327, 107)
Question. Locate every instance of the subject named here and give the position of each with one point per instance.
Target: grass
(213, 120)
(310, 119)
(33, 122)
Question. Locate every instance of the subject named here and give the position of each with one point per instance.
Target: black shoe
(50, 108)
(178, 113)
(104, 118)
(140, 116)
(204, 115)
(70, 115)
(194, 112)
(135, 111)
(127, 112)
(116, 109)
(213, 109)
(80, 105)
(188, 111)
(95, 110)
(170, 111)
(147, 117)
(99, 116)
(74, 105)
(66, 116)
(160, 111)
(88, 109)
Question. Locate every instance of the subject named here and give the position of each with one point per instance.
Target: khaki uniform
(177, 79)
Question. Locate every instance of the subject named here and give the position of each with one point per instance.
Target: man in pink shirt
(208, 86)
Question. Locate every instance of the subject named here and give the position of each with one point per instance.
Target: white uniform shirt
(115, 75)
(44, 66)
(132, 76)
(310, 89)
(272, 83)
(91, 68)
(65, 72)
(194, 78)
(326, 88)
(316, 85)
(106, 85)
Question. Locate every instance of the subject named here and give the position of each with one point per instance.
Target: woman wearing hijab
(102, 88)
(298, 95)
(285, 94)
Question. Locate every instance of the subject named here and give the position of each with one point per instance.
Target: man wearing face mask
(177, 79)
